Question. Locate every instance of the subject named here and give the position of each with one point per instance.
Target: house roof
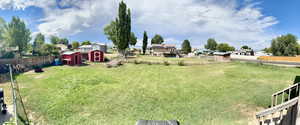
(98, 43)
(61, 45)
(86, 46)
(163, 46)
(69, 52)
(221, 53)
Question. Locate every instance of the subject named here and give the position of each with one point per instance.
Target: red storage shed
(71, 58)
(96, 56)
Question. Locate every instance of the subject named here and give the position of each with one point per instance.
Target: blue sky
(237, 22)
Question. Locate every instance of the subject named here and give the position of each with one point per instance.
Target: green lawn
(214, 94)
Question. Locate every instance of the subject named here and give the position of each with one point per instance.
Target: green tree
(2, 22)
(133, 39)
(38, 42)
(17, 35)
(211, 44)
(285, 45)
(224, 47)
(54, 39)
(145, 42)
(111, 32)
(157, 39)
(64, 41)
(86, 42)
(2, 26)
(267, 50)
(75, 45)
(186, 47)
(50, 49)
(245, 47)
(123, 28)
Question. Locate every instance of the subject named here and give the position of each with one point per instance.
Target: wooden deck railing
(282, 94)
(288, 97)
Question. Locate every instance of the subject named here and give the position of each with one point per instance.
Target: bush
(149, 63)
(38, 69)
(181, 63)
(8, 55)
(166, 63)
(106, 59)
(136, 62)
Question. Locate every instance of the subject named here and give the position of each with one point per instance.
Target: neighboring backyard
(213, 94)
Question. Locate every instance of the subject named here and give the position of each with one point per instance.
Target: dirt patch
(35, 75)
(35, 118)
(249, 111)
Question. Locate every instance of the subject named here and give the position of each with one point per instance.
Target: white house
(93, 46)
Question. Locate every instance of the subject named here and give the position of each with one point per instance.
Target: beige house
(163, 50)
(62, 47)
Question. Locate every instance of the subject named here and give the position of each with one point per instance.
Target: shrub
(7, 55)
(166, 63)
(149, 63)
(106, 59)
(181, 63)
(136, 62)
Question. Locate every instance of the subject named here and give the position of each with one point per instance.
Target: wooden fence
(28, 61)
(22, 65)
(279, 58)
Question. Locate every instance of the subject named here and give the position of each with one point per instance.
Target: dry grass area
(7, 92)
(171, 60)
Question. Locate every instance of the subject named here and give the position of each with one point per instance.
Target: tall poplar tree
(145, 42)
(123, 28)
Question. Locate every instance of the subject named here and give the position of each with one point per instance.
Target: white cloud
(196, 20)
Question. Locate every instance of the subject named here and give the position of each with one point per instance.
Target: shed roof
(163, 46)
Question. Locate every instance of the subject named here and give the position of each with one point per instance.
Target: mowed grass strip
(215, 94)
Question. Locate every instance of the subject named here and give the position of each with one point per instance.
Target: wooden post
(275, 100)
(282, 98)
(290, 93)
(272, 101)
(281, 115)
(271, 119)
(298, 113)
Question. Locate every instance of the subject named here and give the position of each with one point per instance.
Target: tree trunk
(122, 53)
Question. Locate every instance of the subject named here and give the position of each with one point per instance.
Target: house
(163, 50)
(96, 56)
(222, 56)
(71, 58)
(246, 52)
(62, 47)
(204, 52)
(93, 46)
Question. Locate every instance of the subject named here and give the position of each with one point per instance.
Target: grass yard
(215, 94)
